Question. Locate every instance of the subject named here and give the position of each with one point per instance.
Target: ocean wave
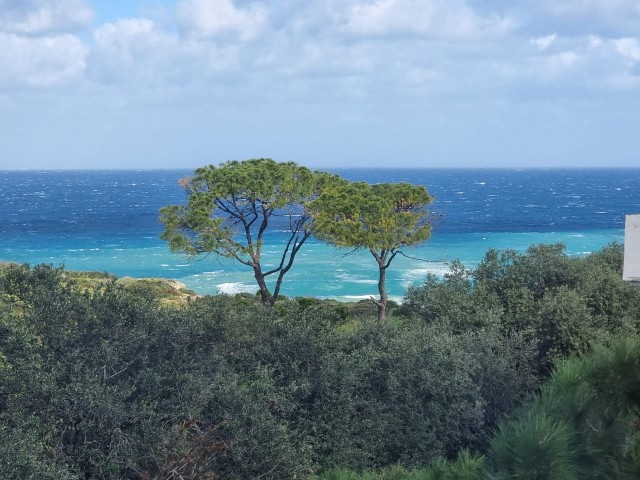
(333, 285)
(353, 278)
(84, 210)
(214, 273)
(357, 298)
(417, 275)
(439, 269)
(236, 287)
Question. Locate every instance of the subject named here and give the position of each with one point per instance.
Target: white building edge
(631, 272)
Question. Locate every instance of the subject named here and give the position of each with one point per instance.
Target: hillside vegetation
(490, 373)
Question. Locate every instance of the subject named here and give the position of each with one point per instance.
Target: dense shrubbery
(109, 382)
(583, 424)
(559, 302)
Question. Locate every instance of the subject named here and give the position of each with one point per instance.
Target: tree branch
(283, 257)
(421, 259)
(393, 255)
(377, 302)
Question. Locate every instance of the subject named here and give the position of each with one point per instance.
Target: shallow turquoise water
(108, 221)
(319, 270)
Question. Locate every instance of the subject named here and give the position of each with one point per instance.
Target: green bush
(111, 383)
(559, 302)
(466, 467)
(583, 423)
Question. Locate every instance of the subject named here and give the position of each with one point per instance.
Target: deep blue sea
(107, 221)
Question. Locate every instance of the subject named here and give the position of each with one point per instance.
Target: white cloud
(434, 18)
(37, 17)
(564, 59)
(137, 50)
(544, 42)
(594, 41)
(34, 48)
(576, 18)
(607, 10)
(41, 61)
(322, 49)
(120, 38)
(422, 78)
(213, 18)
(131, 49)
(628, 47)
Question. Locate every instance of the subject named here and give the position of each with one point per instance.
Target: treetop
(384, 216)
(263, 180)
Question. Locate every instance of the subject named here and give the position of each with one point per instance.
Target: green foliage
(23, 455)
(466, 467)
(583, 423)
(376, 217)
(111, 383)
(535, 447)
(563, 325)
(382, 218)
(453, 301)
(117, 386)
(230, 208)
(106, 380)
(559, 302)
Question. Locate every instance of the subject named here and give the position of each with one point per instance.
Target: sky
(325, 83)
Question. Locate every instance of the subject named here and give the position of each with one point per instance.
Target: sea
(107, 220)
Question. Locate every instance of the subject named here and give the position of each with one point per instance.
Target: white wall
(632, 249)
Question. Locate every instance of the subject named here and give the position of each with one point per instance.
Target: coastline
(108, 221)
(320, 271)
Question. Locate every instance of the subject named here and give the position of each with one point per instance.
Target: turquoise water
(319, 270)
(107, 221)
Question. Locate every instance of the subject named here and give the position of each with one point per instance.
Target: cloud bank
(442, 60)
(366, 44)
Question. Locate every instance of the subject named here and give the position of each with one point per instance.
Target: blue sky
(325, 83)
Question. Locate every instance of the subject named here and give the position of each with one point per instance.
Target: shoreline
(319, 271)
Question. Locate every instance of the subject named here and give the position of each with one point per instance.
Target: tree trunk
(382, 303)
(265, 296)
(284, 269)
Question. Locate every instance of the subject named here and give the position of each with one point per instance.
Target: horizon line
(116, 169)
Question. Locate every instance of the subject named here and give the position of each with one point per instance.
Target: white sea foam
(352, 278)
(417, 275)
(356, 298)
(317, 270)
(439, 269)
(236, 287)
